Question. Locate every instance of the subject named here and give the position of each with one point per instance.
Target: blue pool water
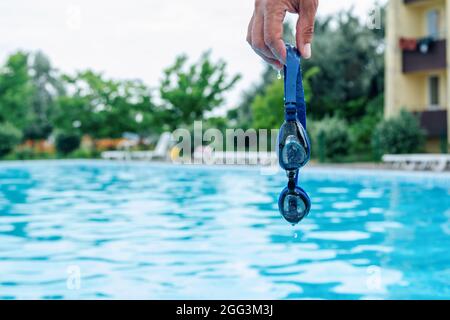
(92, 229)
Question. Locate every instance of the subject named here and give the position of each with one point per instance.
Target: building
(417, 69)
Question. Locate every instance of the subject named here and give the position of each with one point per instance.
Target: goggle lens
(294, 207)
(293, 153)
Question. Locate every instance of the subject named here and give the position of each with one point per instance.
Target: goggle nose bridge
(290, 111)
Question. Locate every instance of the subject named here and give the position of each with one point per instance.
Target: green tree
(350, 57)
(67, 142)
(361, 131)
(188, 92)
(16, 91)
(268, 108)
(104, 108)
(10, 136)
(47, 87)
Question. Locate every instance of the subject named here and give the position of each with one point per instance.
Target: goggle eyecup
(294, 149)
(294, 205)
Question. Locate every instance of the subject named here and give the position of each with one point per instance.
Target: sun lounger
(434, 162)
(203, 155)
(160, 152)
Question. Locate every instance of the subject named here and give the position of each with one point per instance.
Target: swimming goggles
(294, 148)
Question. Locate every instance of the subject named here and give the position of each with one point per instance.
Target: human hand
(265, 31)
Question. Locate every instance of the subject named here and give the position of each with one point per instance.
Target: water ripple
(151, 231)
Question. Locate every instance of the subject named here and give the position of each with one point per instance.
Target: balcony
(407, 2)
(434, 123)
(434, 59)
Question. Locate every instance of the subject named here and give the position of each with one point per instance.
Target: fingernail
(278, 66)
(307, 51)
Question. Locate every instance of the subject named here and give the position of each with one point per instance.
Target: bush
(28, 153)
(361, 131)
(331, 139)
(10, 136)
(83, 154)
(400, 135)
(67, 142)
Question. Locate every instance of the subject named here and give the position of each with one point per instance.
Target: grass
(29, 154)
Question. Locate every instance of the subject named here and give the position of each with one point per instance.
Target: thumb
(305, 27)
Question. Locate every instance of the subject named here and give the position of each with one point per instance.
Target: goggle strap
(294, 94)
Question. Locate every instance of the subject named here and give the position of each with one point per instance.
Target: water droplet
(279, 75)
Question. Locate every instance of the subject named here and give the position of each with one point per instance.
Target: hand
(265, 31)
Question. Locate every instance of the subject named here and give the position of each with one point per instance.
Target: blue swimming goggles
(294, 148)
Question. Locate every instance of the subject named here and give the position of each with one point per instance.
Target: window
(433, 92)
(433, 23)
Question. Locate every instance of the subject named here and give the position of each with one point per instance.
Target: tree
(47, 87)
(268, 107)
(350, 57)
(10, 136)
(361, 131)
(188, 92)
(67, 142)
(16, 91)
(104, 108)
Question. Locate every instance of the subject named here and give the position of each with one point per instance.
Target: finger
(273, 62)
(305, 26)
(273, 30)
(258, 43)
(249, 30)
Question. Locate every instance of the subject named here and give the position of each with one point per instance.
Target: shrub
(361, 131)
(67, 142)
(10, 136)
(400, 135)
(82, 153)
(331, 139)
(23, 153)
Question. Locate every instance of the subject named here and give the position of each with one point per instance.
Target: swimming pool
(94, 229)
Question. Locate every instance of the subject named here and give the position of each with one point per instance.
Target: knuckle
(258, 44)
(278, 8)
(271, 5)
(309, 6)
(269, 40)
(308, 31)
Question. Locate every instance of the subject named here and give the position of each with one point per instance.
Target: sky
(139, 38)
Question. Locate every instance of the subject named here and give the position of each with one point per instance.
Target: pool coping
(327, 170)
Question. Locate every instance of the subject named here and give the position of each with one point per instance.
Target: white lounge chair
(160, 152)
(434, 162)
(204, 155)
(115, 155)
